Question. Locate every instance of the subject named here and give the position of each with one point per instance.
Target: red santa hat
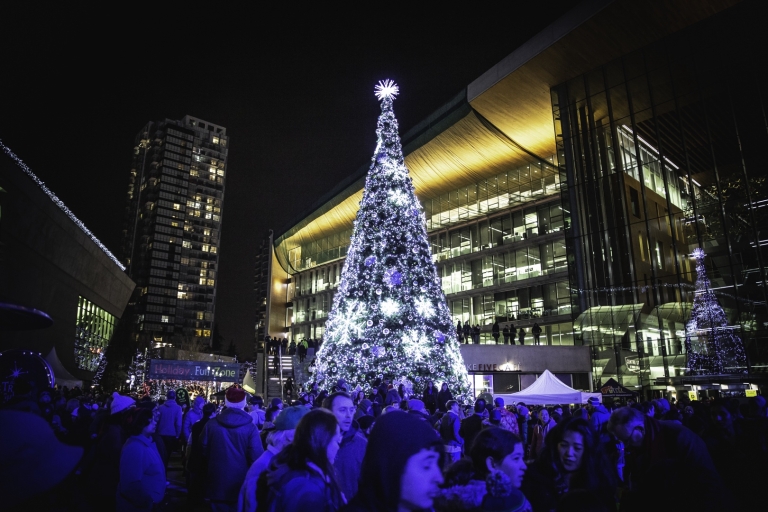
(235, 397)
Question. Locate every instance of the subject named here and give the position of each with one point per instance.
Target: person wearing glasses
(661, 458)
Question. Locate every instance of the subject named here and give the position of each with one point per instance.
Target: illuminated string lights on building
(389, 318)
(59, 203)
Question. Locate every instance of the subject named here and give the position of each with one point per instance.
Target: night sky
(294, 88)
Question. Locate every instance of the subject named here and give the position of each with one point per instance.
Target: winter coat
(442, 399)
(169, 419)
(104, 474)
(430, 399)
(469, 429)
(292, 490)
(449, 429)
(599, 417)
(672, 458)
(461, 497)
(539, 434)
(509, 421)
(246, 502)
(349, 460)
(142, 475)
(393, 397)
(230, 443)
(193, 415)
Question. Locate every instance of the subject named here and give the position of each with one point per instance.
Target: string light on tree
(712, 346)
(389, 317)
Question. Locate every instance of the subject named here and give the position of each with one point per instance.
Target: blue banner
(193, 370)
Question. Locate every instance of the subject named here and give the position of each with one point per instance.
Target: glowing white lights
(59, 203)
(390, 307)
(424, 307)
(386, 89)
(398, 197)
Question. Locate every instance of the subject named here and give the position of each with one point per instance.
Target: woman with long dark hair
(572, 460)
(401, 467)
(301, 476)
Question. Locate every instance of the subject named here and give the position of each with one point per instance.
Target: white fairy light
(390, 307)
(59, 203)
(386, 89)
(398, 197)
(425, 307)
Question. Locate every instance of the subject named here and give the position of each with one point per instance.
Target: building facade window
(93, 331)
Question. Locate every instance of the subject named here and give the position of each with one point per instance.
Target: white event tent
(548, 390)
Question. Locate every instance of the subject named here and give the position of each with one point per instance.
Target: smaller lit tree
(712, 346)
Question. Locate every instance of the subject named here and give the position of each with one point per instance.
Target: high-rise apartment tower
(172, 228)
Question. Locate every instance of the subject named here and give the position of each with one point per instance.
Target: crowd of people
(470, 334)
(384, 450)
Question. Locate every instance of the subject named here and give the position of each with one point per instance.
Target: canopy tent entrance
(614, 389)
(549, 390)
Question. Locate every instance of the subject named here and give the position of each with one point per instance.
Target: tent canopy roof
(548, 390)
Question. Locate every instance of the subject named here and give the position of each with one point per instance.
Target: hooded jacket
(169, 419)
(230, 443)
(599, 417)
(349, 460)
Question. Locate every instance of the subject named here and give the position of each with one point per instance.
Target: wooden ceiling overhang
(504, 118)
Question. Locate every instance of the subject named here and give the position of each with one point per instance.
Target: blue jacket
(142, 475)
(295, 490)
(349, 460)
(230, 443)
(599, 417)
(169, 419)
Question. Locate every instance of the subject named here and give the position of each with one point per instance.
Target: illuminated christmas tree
(712, 346)
(389, 317)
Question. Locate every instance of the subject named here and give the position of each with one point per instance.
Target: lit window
(202, 281)
(93, 331)
(210, 282)
(206, 248)
(215, 140)
(164, 319)
(186, 244)
(176, 206)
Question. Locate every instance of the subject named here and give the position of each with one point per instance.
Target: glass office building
(662, 151)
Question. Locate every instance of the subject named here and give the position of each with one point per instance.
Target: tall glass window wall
(93, 330)
(663, 152)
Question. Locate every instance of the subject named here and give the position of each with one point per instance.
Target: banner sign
(193, 370)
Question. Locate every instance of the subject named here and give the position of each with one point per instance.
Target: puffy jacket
(169, 419)
(230, 443)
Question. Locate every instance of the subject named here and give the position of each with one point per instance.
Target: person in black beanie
(399, 472)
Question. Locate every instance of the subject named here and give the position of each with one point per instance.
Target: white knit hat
(120, 403)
